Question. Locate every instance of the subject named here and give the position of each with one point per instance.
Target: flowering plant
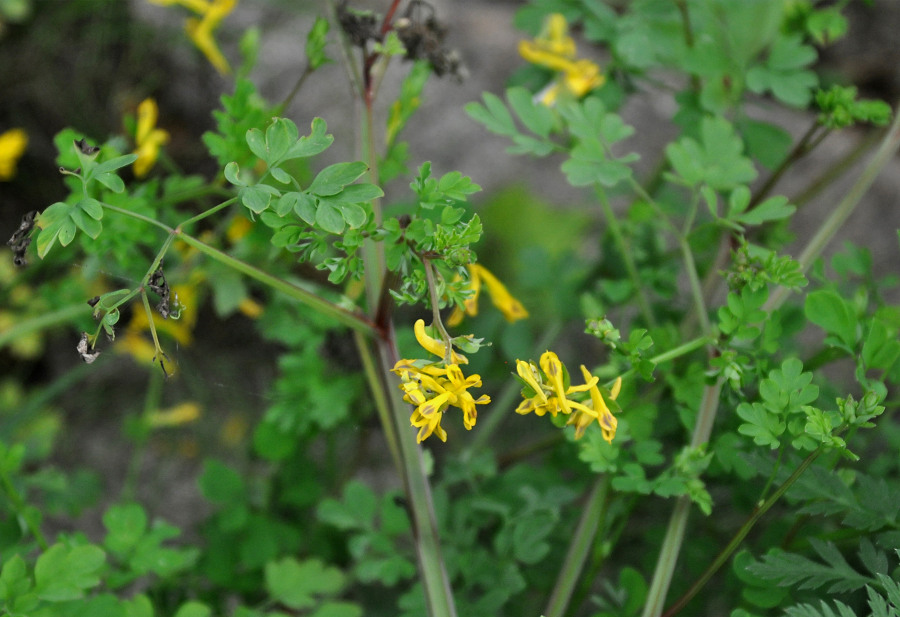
(374, 453)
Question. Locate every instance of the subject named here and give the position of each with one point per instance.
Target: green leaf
(125, 525)
(354, 215)
(64, 573)
(56, 224)
(314, 143)
(767, 142)
(315, 44)
(255, 198)
(832, 313)
(112, 182)
(280, 136)
(835, 575)
(329, 217)
(717, 160)
(763, 426)
(305, 207)
(362, 192)
(356, 510)
(783, 73)
(221, 484)
(280, 175)
(232, 172)
(333, 179)
(114, 164)
(256, 139)
(881, 348)
(296, 584)
(772, 209)
(193, 609)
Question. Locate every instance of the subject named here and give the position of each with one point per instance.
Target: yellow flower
(435, 387)
(147, 138)
(584, 415)
(546, 391)
(511, 308)
(12, 146)
(554, 49)
(182, 413)
(200, 31)
(435, 346)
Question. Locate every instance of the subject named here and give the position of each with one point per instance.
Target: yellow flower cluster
(12, 146)
(147, 138)
(511, 308)
(200, 31)
(435, 387)
(546, 391)
(554, 49)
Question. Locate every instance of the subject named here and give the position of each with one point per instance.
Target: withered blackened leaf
(86, 148)
(82, 349)
(22, 238)
(158, 285)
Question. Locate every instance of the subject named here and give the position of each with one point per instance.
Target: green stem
(139, 217)
(671, 546)
(378, 388)
(47, 320)
(579, 548)
(625, 251)
(435, 581)
(354, 321)
(739, 536)
(209, 212)
(884, 155)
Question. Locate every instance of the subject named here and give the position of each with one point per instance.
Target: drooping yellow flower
(200, 31)
(511, 308)
(12, 147)
(554, 49)
(148, 138)
(435, 387)
(546, 391)
(183, 413)
(585, 415)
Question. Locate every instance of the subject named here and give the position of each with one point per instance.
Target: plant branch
(353, 320)
(579, 548)
(739, 537)
(884, 155)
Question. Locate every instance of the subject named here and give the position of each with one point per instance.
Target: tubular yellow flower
(511, 308)
(433, 388)
(547, 392)
(148, 138)
(598, 410)
(12, 147)
(435, 346)
(554, 49)
(200, 31)
(183, 413)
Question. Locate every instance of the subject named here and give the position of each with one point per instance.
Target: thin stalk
(696, 287)
(625, 251)
(884, 155)
(46, 320)
(671, 546)
(739, 537)
(208, 212)
(579, 548)
(435, 581)
(800, 149)
(354, 321)
(836, 170)
(139, 217)
(307, 71)
(382, 405)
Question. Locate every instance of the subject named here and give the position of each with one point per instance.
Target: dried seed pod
(22, 238)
